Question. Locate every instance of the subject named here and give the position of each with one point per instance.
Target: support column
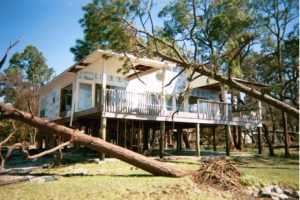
(214, 138)
(132, 135)
(140, 137)
(162, 138)
(102, 134)
(125, 134)
(240, 138)
(103, 93)
(146, 133)
(179, 139)
(198, 139)
(259, 139)
(227, 129)
(163, 95)
(118, 131)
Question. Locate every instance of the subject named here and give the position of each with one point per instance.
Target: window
(85, 96)
(43, 107)
(98, 95)
(66, 100)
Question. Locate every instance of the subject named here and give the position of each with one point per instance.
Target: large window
(85, 96)
(66, 100)
(43, 107)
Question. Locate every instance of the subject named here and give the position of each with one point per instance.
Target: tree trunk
(286, 135)
(186, 140)
(235, 137)
(240, 139)
(249, 91)
(270, 145)
(259, 140)
(214, 138)
(154, 167)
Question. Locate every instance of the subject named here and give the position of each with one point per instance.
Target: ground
(114, 179)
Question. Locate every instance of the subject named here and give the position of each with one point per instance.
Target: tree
(192, 37)
(27, 71)
(74, 136)
(32, 64)
(276, 16)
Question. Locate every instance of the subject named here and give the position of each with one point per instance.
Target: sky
(50, 25)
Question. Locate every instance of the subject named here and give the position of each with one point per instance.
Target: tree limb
(10, 46)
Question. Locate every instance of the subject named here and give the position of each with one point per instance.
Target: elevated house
(128, 108)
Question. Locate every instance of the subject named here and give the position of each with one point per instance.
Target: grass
(118, 180)
(263, 170)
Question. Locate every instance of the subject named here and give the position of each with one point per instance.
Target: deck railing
(121, 101)
(125, 102)
(212, 110)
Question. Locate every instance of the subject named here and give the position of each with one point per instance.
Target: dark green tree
(210, 37)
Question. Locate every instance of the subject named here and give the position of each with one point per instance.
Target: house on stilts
(136, 109)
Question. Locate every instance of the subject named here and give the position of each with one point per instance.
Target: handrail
(127, 102)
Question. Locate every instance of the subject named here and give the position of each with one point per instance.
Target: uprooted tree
(74, 136)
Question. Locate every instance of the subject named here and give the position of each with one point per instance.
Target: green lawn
(118, 180)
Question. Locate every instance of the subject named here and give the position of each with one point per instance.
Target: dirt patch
(218, 172)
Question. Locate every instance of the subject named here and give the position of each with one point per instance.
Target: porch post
(227, 129)
(214, 138)
(103, 93)
(102, 134)
(140, 137)
(163, 95)
(198, 139)
(125, 134)
(259, 145)
(162, 138)
(74, 100)
(132, 134)
(118, 131)
(179, 140)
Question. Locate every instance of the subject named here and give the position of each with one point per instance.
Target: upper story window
(66, 100)
(85, 96)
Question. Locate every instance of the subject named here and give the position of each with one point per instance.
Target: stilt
(259, 145)
(198, 139)
(227, 127)
(179, 138)
(162, 137)
(118, 130)
(140, 137)
(103, 134)
(132, 135)
(214, 138)
(240, 138)
(146, 133)
(125, 134)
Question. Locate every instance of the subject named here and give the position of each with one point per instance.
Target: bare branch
(29, 107)
(178, 74)
(31, 157)
(134, 69)
(10, 46)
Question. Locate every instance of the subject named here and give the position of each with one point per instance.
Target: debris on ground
(218, 172)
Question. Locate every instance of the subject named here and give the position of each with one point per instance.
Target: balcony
(128, 104)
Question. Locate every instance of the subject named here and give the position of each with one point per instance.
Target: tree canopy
(209, 37)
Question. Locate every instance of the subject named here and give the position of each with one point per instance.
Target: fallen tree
(73, 136)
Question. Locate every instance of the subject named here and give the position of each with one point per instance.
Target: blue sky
(50, 25)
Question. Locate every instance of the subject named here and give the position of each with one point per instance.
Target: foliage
(27, 71)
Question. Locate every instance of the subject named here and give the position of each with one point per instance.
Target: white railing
(212, 110)
(121, 101)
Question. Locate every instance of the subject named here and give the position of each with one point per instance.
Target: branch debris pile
(220, 172)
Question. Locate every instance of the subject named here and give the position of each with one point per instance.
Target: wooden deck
(150, 106)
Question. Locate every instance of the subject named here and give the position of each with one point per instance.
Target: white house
(95, 96)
